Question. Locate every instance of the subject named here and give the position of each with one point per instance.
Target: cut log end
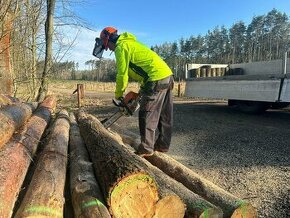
(212, 212)
(137, 186)
(245, 210)
(170, 207)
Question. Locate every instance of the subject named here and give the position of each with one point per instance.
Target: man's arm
(122, 60)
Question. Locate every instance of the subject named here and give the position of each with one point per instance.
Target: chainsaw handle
(117, 102)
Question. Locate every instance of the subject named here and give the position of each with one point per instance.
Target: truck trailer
(251, 87)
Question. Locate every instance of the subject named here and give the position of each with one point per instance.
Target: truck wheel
(279, 105)
(252, 107)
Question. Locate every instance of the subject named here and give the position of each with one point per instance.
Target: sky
(155, 22)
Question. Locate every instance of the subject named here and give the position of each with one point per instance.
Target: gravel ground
(247, 155)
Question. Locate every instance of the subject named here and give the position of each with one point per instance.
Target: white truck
(252, 87)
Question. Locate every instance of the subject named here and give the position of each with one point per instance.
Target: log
(168, 188)
(16, 155)
(231, 205)
(196, 206)
(45, 194)
(127, 187)
(7, 100)
(87, 198)
(12, 118)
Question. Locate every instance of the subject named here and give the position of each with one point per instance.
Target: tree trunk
(230, 204)
(45, 194)
(127, 187)
(87, 198)
(195, 205)
(5, 57)
(16, 156)
(48, 50)
(12, 118)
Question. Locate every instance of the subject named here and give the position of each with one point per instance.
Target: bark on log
(87, 198)
(15, 156)
(12, 118)
(231, 205)
(196, 206)
(7, 100)
(169, 189)
(45, 194)
(127, 187)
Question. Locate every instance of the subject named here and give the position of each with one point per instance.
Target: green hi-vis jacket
(138, 62)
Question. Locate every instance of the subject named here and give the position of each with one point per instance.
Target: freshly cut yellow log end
(212, 213)
(170, 207)
(134, 196)
(245, 211)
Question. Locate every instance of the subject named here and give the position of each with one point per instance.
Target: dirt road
(247, 155)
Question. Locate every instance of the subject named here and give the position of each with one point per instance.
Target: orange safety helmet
(106, 34)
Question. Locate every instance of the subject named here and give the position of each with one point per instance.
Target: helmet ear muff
(106, 38)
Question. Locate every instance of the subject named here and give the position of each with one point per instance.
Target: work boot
(142, 152)
(163, 150)
(160, 146)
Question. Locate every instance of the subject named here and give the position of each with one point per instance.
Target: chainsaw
(126, 107)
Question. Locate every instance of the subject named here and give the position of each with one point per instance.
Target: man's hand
(118, 102)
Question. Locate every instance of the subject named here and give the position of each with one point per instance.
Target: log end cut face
(170, 207)
(212, 212)
(134, 196)
(245, 210)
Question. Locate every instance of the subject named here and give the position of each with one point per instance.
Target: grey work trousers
(156, 111)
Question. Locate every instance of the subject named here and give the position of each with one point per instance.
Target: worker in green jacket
(140, 63)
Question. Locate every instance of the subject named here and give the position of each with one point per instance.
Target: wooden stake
(80, 94)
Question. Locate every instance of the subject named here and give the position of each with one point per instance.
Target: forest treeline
(37, 46)
(266, 37)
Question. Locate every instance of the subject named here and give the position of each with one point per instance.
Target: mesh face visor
(99, 48)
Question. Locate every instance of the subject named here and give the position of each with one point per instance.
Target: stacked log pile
(17, 153)
(106, 177)
(231, 205)
(128, 186)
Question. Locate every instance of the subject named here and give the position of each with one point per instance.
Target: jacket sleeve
(122, 61)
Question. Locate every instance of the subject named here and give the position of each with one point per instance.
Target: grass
(63, 90)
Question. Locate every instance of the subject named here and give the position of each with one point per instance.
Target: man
(140, 63)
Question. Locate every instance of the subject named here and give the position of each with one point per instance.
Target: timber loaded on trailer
(252, 87)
